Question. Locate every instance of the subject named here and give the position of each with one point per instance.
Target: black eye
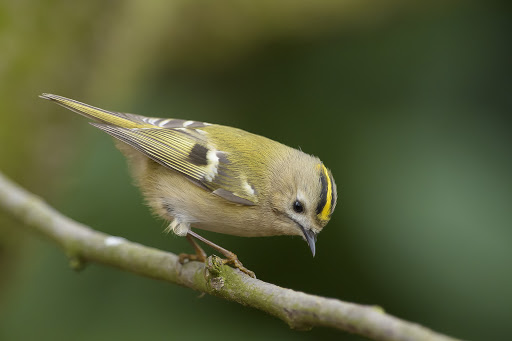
(298, 207)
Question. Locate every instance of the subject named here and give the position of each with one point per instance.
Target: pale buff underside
(174, 197)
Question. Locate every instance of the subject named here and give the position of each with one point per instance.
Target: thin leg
(200, 255)
(231, 258)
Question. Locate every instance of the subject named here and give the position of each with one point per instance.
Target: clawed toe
(231, 259)
(185, 257)
(234, 262)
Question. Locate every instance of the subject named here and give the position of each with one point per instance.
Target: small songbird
(219, 178)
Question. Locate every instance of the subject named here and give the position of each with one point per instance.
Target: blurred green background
(409, 104)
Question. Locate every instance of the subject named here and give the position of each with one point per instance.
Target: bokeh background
(409, 104)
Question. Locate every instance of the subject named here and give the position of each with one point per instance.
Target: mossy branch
(299, 310)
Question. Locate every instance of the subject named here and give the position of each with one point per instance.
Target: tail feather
(97, 114)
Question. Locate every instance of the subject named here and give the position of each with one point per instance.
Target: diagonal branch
(297, 309)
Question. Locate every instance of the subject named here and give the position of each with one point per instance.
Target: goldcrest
(219, 178)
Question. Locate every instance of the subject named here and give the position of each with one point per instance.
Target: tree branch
(297, 309)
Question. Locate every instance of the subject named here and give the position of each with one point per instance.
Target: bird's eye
(298, 206)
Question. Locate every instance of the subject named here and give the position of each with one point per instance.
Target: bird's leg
(199, 256)
(231, 258)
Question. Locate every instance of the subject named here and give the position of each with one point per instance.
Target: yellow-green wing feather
(176, 144)
(97, 114)
(168, 147)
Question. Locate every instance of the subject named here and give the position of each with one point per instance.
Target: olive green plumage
(219, 178)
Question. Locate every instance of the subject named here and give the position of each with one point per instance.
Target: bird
(198, 175)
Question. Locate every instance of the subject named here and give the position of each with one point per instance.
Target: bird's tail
(97, 114)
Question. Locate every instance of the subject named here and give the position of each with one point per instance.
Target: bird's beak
(310, 238)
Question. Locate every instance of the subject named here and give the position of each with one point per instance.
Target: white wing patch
(212, 169)
(164, 122)
(248, 188)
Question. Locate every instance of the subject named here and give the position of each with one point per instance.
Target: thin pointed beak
(310, 238)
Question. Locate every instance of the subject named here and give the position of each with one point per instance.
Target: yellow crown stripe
(324, 215)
